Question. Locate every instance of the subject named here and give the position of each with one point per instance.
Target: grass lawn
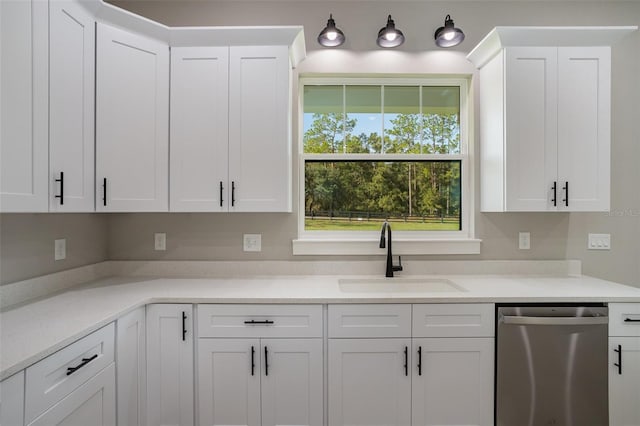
(340, 224)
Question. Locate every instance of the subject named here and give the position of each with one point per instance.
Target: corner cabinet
(132, 125)
(545, 118)
(624, 364)
(231, 129)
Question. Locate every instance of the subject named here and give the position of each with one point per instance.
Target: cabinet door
(453, 381)
(71, 107)
(229, 382)
(292, 382)
(368, 382)
(259, 129)
(170, 372)
(92, 404)
(624, 381)
(132, 368)
(132, 129)
(12, 400)
(199, 129)
(24, 145)
(531, 128)
(584, 129)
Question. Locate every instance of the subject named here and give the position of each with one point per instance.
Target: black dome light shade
(390, 36)
(449, 35)
(331, 36)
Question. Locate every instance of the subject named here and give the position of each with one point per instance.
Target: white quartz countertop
(35, 330)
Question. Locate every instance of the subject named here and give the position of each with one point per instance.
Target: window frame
(405, 242)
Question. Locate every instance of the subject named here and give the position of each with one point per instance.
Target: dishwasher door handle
(519, 320)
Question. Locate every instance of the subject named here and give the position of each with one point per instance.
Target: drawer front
(624, 319)
(48, 381)
(370, 320)
(259, 320)
(453, 320)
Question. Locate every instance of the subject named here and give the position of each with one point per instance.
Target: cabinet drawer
(453, 320)
(259, 321)
(50, 380)
(624, 319)
(370, 320)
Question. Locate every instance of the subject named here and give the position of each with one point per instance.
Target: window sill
(306, 247)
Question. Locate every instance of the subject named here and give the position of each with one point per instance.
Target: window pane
(441, 120)
(402, 119)
(364, 119)
(323, 122)
(359, 195)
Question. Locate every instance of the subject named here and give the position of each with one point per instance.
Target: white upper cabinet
(545, 118)
(23, 110)
(231, 129)
(199, 129)
(71, 107)
(260, 129)
(132, 125)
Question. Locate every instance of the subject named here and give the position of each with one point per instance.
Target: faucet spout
(386, 235)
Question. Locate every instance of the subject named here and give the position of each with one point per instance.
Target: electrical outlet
(60, 250)
(252, 242)
(524, 240)
(160, 241)
(599, 242)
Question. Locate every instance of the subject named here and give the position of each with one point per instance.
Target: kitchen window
(376, 149)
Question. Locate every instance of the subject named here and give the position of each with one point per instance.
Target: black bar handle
(61, 196)
(104, 193)
(419, 360)
(85, 361)
(221, 191)
(184, 326)
(566, 194)
(406, 360)
(266, 361)
(233, 193)
(619, 363)
(266, 322)
(631, 320)
(555, 193)
(253, 360)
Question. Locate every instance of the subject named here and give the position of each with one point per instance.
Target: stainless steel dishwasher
(551, 366)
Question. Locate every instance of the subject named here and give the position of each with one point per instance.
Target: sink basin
(398, 285)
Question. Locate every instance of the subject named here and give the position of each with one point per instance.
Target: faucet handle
(398, 267)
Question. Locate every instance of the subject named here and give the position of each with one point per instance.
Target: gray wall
(27, 240)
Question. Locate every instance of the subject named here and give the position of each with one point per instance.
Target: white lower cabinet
(624, 364)
(92, 404)
(12, 400)
(170, 373)
(452, 382)
(131, 361)
(369, 382)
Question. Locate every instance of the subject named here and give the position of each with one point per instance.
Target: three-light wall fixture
(389, 36)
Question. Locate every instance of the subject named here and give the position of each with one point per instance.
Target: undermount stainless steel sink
(398, 285)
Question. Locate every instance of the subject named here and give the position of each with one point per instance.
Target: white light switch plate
(60, 251)
(599, 242)
(160, 241)
(252, 242)
(524, 240)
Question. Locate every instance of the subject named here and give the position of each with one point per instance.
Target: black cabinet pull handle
(419, 360)
(61, 196)
(266, 361)
(555, 193)
(566, 194)
(619, 363)
(184, 326)
(254, 322)
(104, 193)
(631, 320)
(221, 190)
(406, 360)
(233, 193)
(85, 361)
(253, 360)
